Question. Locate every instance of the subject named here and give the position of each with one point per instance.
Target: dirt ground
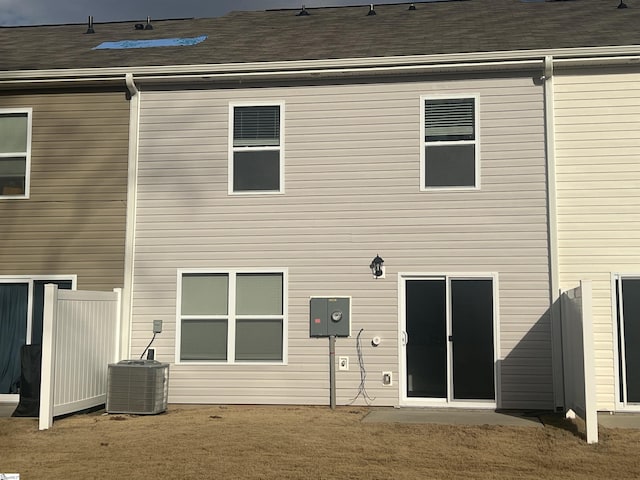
(261, 442)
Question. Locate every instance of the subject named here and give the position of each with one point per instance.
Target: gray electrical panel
(330, 316)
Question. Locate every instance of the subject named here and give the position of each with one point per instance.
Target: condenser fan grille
(137, 387)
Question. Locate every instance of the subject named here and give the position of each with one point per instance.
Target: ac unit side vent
(138, 387)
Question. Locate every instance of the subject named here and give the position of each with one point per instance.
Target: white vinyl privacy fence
(578, 352)
(81, 332)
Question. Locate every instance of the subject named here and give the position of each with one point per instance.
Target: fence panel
(80, 338)
(578, 351)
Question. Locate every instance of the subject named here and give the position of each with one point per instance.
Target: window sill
(204, 363)
(256, 192)
(449, 189)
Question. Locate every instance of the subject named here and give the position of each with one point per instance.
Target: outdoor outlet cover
(343, 363)
(157, 326)
(387, 378)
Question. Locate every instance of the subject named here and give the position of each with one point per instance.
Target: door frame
(403, 277)
(618, 333)
(29, 280)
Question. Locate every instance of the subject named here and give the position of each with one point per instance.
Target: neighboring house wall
(74, 219)
(352, 190)
(597, 131)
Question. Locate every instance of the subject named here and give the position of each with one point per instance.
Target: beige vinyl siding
(74, 221)
(352, 163)
(597, 122)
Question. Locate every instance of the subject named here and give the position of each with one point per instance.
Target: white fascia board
(347, 66)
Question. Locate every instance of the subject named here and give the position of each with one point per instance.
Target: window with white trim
(256, 157)
(450, 147)
(232, 316)
(15, 153)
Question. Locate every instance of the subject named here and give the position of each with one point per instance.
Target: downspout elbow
(131, 86)
(548, 68)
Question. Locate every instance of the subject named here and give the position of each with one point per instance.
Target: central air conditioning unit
(138, 387)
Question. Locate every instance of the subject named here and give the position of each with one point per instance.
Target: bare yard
(263, 442)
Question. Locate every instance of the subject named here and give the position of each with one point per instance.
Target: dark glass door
(472, 339)
(13, 333)
(450, 346)
(38, 306)
(426, 331)
(631, 318)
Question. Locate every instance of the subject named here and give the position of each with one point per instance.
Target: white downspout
(130, 235)
(554, 277)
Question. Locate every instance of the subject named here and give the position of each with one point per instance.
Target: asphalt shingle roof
(446, 27)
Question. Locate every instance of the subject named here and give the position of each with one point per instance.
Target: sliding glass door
(448, 332)
(628, 303)
(21, 312)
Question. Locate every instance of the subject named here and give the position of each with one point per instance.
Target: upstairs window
(256, 163)
(15, 153)
(450, 143)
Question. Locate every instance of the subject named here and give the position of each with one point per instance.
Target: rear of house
(63, 183)
(274, 155)
(251, 201)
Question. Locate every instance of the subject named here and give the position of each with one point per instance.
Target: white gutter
(130, 233)
(610, 60)
(346, 72)
(243, 72)
(554, 312)
(370, 65)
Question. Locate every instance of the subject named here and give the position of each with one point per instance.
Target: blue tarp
(160, 42)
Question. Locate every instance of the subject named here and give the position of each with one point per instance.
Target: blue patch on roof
(160, 42)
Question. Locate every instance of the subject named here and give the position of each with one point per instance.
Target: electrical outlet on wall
(343, 363)
(387, 378)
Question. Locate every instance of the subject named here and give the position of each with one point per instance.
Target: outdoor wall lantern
(376, 267)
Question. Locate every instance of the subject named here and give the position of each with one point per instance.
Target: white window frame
(231, 316)
(424, 143)
(26, 155)
(232, 149)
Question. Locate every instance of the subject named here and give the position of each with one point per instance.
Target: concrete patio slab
(450, 416)
(7, 408)
(618, 420)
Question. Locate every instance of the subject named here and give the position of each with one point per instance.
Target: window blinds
(256, 126)
(449, 119)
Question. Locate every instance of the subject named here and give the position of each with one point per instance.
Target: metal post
(332, 371)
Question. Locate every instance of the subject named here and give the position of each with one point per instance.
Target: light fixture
(376, 266)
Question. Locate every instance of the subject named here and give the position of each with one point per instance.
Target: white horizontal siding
(597, 119)
(352, 191)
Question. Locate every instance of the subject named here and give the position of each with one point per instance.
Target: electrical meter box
(330, 316)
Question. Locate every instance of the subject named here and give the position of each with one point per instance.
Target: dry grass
(252, 442)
